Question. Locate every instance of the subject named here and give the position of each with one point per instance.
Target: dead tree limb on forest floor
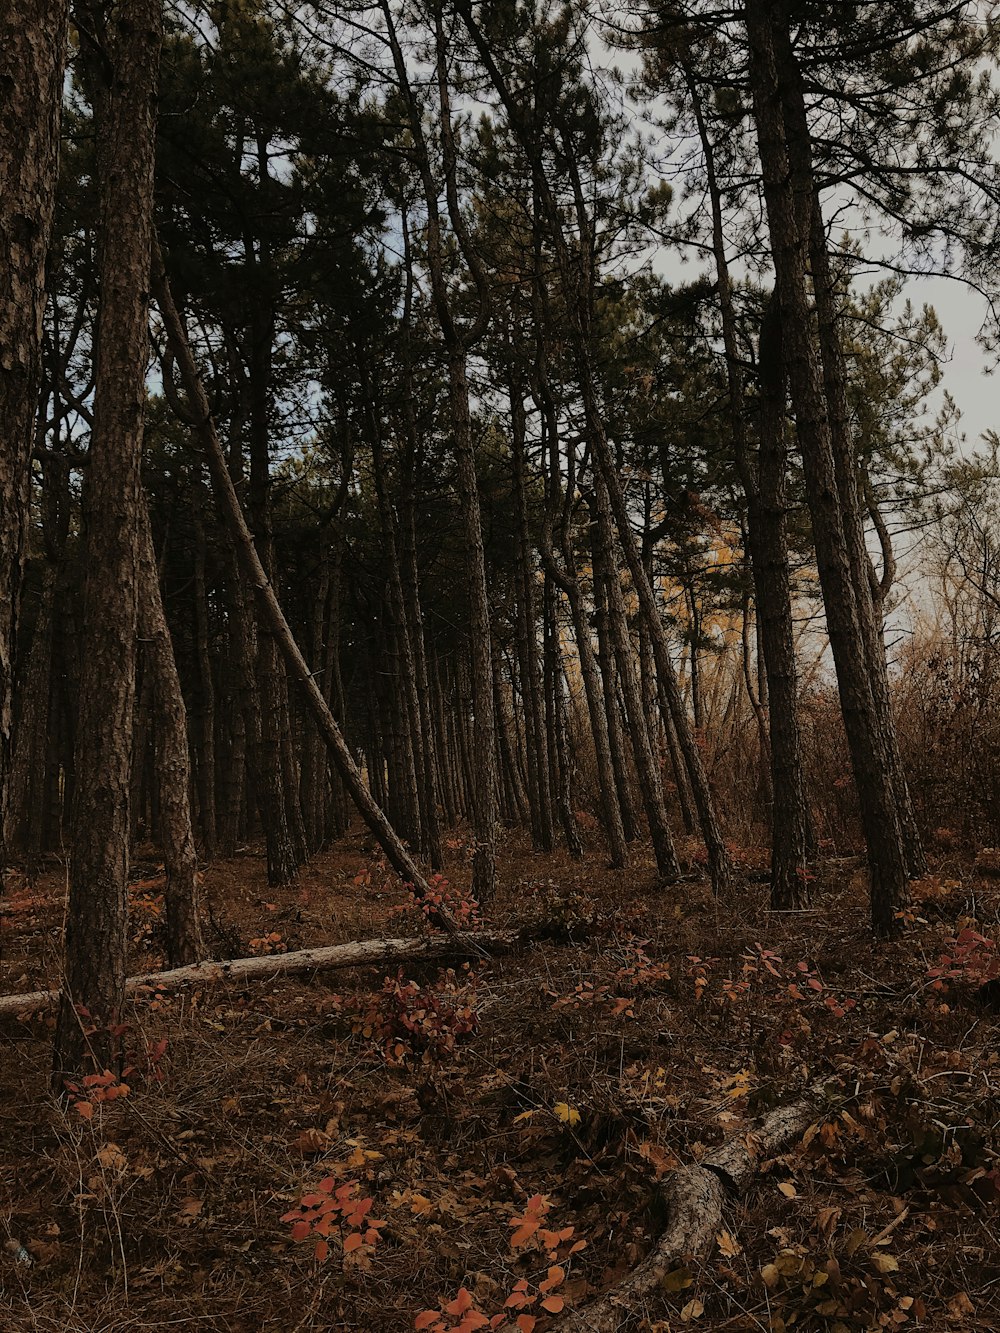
(360, 953)
(695, 1197)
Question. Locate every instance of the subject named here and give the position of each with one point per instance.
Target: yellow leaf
(569, 1115)
(885, 1263)
(678, 1280)
(770, 1275)
(855, 1240)
(312, 1141)
(729, 1246)
(112, 1158)
(693, 1310)
(788, 1189)
(960, 1305)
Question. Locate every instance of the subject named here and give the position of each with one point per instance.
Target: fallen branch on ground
(360, 953)
(694, 1197)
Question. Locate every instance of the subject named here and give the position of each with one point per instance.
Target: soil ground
(640, 1027)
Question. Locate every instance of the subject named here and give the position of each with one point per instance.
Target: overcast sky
(961, 313)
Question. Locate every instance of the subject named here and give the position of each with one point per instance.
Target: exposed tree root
(361, 953)
(695, 1197)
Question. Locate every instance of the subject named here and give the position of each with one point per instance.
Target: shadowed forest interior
(499, 666)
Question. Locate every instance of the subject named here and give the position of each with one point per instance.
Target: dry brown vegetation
(636, 1031)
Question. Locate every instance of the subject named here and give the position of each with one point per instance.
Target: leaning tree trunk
(849, 482)
(834, 376)
(458, 341)
(173, 766)
(577, 271)
(718, 857)
(32, 55)
(229, 506)
(121, 77)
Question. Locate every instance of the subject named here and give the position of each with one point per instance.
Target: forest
(499, 666)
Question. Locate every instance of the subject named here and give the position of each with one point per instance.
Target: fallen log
(695, 1197)
(360, 953)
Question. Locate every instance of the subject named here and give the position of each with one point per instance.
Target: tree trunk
(32, 56)
(788, 200)
(206, 683)
(173, 767)
(536, 751)
(768, 541)
(609, 683)
(647, 767)
(232, 514)
(121, 77)
(849, 482)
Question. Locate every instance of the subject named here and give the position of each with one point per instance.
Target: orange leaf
(426, 1319)
(461, 1303)
(353, 1242)
(322, 1250)
(526, 1322)
(553, 1304)
(85, 1109)
(557, 1275)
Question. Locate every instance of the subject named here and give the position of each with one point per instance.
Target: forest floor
(500, 1113)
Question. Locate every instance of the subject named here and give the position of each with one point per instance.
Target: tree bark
(539, 775)
(768, 541)
(789, 201)
(32, 56)
(173, 765)
(206, 684)
(121, 75)
(237, 971)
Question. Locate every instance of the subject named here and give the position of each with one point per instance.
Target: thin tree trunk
(609, 683)
(458, 342)
(173, 767)
(538, 773)
(642, 751)
(206, 684)
(232, 514)
(849, 483)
